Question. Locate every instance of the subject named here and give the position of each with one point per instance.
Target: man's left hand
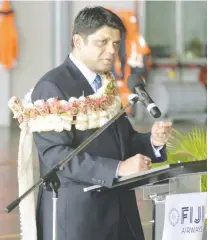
(161, 132)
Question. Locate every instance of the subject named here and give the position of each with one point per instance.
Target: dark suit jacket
(92, 215)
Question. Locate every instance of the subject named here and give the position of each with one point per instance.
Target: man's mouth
(108, 61)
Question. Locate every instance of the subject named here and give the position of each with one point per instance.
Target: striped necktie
(97, 82)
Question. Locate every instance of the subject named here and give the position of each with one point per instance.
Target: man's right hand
(135, 164)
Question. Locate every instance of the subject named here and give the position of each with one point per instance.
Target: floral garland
(57, 115)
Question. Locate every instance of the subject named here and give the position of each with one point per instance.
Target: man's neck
(79, 58)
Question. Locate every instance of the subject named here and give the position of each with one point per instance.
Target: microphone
(136, 85)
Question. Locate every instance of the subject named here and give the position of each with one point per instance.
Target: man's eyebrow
(103, 38)
(117, 41)
(107, 39)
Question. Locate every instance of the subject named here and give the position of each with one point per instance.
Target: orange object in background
(8, 36)
(203, 75)
(134, 55)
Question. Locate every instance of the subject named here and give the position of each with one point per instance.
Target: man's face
(99, 50)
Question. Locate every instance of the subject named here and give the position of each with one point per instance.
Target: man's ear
(78, 41)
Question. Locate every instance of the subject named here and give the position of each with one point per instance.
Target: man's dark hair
(90, 19)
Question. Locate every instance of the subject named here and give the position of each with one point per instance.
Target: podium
(151, 188)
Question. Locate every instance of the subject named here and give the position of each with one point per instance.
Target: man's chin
(106, 68)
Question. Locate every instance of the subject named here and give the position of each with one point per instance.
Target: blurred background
(166, 46)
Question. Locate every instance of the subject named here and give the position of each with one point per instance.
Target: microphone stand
(51, 181)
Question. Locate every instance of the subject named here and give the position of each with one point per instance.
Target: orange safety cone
(8, 36)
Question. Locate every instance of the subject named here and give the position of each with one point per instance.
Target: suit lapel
(81, 82)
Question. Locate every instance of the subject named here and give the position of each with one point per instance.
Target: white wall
(33, 20)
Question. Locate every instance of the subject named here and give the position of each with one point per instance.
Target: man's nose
(111, 48)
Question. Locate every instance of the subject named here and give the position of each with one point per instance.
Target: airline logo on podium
(187, 216)
(184, 216)
(174, 216)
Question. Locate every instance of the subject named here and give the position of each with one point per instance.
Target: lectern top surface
(144, 173)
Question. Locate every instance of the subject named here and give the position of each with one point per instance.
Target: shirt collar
(88, 74)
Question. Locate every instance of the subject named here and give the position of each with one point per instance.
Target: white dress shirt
(88, 74)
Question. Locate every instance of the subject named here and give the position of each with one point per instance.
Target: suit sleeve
(141, 143)
(55, 146)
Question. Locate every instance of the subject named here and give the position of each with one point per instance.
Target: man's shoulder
(51, 82)
(53, 75)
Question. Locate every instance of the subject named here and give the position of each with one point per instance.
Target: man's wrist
(156, 144)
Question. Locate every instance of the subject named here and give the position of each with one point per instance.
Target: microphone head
(133, 81)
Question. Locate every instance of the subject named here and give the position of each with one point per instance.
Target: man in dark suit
(118, 151)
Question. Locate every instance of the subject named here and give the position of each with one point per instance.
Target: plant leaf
(189, 143)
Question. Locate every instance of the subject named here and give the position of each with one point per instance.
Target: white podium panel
(185, 216)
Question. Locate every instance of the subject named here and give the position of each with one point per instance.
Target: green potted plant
(188, 146)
